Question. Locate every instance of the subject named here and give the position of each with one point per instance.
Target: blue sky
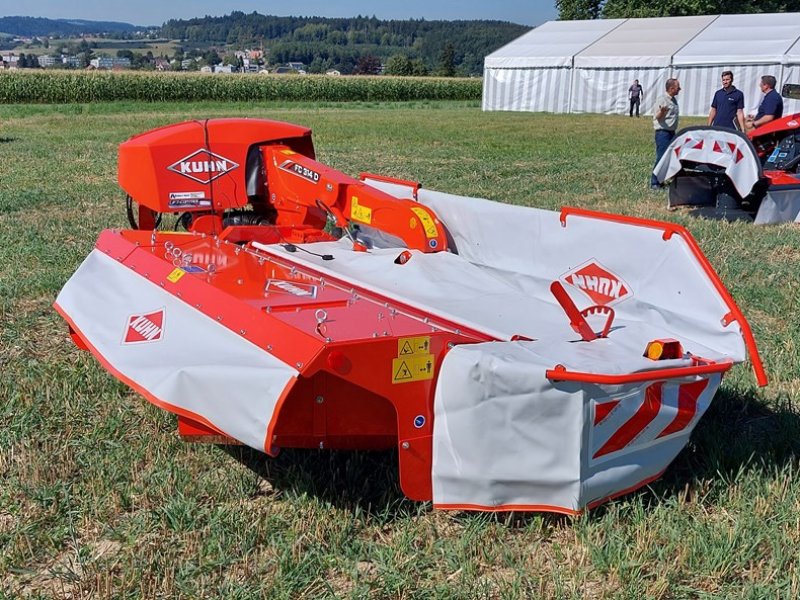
(155, 12)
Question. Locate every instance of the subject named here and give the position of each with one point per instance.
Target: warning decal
(359, 212)
(414, 345)
(427, 222)
(415, 367)
(176, 275)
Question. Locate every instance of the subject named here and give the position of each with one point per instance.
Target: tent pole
(571, 84)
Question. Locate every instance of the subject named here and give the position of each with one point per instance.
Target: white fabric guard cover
(779, 206)
(712, 146)
(506, 437)
(181, 358)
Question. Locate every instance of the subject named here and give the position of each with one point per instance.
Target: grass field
(100, 499)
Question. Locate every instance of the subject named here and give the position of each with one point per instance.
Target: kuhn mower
(727, 174)
(517, 359)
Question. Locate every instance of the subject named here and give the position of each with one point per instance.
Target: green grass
(100, 499)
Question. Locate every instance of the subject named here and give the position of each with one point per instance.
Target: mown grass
(99, 498)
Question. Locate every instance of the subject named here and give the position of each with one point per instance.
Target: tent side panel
(699, 83)
(534, 90)
(791, 74)
(606, 90)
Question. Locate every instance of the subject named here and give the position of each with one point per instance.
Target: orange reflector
(654, 350)
(663, 349)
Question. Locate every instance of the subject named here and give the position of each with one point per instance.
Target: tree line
(414, 46)
(569, 10)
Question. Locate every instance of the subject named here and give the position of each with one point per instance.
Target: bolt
(405, 445)
(320, 399)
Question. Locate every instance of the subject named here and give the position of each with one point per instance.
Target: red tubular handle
(576, 320)
(560, 373)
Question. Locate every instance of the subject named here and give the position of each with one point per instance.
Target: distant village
(211, 61)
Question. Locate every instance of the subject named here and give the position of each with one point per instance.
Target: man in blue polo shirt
(771, 106)
(727, 107)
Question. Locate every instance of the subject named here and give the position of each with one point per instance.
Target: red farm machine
(732, 175)
(516, 358)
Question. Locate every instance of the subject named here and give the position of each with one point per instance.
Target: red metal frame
(670, 229)
(344, 396)
(561, 373)
(343, 340)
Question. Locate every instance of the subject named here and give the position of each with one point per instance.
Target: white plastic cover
(176, 356)
(507, 438)
(779, 206)
(716, 147)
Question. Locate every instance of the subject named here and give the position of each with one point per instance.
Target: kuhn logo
(597, 282)
(203, 166)
(144, 328)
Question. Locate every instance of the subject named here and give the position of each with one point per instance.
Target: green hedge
(59, 87)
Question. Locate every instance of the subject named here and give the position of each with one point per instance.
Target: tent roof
(706, 40)
(552, 44)
(643, 42)
(742, 39)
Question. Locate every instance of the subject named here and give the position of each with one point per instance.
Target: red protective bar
(669, 230)
(560, 373)
(414, 185)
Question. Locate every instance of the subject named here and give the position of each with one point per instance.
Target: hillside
(37, 27)
(358, 44)
(340, 42)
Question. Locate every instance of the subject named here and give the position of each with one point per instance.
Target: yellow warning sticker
(288, 152)
(427, 222)
(414, 345)
(175, 275)
(415, 367)
(359, 212)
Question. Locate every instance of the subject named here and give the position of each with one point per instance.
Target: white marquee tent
(587, 66)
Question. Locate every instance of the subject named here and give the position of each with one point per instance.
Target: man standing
(665, 122)
(727, 107)
(635, 95)
(771, 106)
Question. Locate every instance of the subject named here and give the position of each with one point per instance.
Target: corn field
(60, 87)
